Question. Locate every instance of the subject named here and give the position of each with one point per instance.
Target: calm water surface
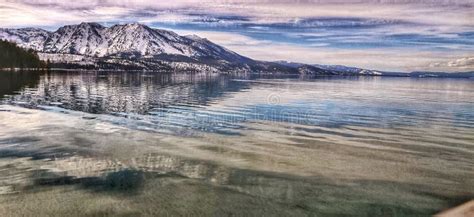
(142, 144)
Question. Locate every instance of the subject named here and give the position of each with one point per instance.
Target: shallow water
(131, 144)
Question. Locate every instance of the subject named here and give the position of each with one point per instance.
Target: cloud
(461, 64)
(449, 12)
(419, 34)
(399, 59)
(380, 59)
(466, 62)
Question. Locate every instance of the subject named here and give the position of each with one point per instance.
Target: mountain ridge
(93, 39)
(135, 46)
(91, 45)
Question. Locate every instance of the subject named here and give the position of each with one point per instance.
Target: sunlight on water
(78, 142)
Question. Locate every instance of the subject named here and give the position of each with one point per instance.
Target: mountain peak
(135, 25)
(123, 40)
(136, 45)
(90, 24)
(194, 37)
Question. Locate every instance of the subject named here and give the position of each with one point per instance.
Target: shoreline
(458, 75)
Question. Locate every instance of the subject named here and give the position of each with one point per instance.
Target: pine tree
(12, 56)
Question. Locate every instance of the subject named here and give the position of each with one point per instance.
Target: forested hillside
(12, 56)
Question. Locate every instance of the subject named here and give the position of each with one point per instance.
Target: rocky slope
(137, 46)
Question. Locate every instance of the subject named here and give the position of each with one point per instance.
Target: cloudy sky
(395, 35)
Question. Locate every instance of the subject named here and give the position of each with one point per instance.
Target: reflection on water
(14, 81)
(233, 145)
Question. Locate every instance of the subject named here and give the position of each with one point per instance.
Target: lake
(145, 144)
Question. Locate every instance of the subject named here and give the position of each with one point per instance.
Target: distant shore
(463, 75)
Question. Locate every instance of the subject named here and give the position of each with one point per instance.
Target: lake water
(142, 144)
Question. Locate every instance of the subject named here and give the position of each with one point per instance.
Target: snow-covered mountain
(137, 46)
(350, 70)
(33, 38)
(137, 40)
(337, 69)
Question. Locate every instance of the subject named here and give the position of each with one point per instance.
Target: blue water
(329, 146)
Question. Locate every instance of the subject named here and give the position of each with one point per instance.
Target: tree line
(12, 56)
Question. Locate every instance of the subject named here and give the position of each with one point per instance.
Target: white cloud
(403, 60)
(466, 62)
(461, 64)
(457, 13)
(443, 18)
(380, 59)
